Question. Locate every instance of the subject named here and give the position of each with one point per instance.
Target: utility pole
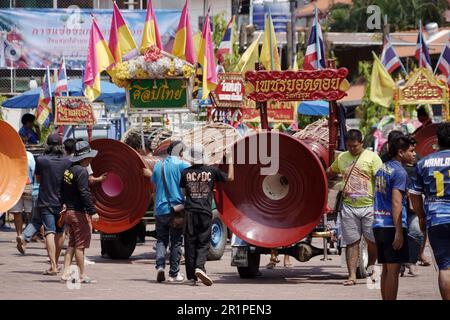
(292, 53)
(385, 30)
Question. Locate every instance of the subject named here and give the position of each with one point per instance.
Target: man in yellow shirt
(357, 212)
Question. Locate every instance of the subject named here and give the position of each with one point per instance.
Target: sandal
(88, 280)
(50, 273)
(271, 265)
(349, 283)
(288, 265)
(424, 263)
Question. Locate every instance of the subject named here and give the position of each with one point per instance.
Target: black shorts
(384, 237)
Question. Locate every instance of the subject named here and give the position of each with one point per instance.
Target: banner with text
(37, 38)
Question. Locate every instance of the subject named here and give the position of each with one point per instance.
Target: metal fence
(14, 81)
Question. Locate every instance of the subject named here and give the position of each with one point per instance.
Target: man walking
(166, 177)
(198, 182)
(432, 179)
(80, 209)
(390, 219)
(50, 169)
(358, 167)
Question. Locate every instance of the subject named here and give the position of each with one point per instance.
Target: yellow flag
(269, 51)
(381, 84)
(197, 37)
(249, 58)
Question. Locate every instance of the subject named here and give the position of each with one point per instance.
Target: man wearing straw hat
(197, 183)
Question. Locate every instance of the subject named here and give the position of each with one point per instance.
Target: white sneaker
(88, 262)
(203, 277)
(160, 277)
(178, 278)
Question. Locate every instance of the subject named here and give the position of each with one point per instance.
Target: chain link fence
(15, 80)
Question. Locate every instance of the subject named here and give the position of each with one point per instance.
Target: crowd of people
(60, 182)
(395, 201)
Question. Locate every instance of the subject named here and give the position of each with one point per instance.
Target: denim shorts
(50, 216)
(440, 243)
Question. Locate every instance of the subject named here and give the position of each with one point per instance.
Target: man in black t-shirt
(49, 173)
(197, 183)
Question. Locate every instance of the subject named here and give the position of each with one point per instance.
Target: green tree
(402, 14)
(220, 25)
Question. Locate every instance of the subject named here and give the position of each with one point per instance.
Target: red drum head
(279, 209)
(427, 141)
(124, 197)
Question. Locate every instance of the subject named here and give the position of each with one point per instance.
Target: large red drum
(279, 209)
(427, 141)
(124, 197)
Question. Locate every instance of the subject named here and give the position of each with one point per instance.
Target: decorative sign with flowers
(153, 64)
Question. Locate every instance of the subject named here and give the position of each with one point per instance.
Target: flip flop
(88, 280)
(271, 265)
(424, 263)
(349, 283)
(288, 265)
(50, 273)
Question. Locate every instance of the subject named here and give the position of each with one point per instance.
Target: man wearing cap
(49, 173)
(197, 182)
(166, 177)
(80, 208)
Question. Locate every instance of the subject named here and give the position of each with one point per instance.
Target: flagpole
(319, 53)
(421, 44)
(65, 73)
(440, 57)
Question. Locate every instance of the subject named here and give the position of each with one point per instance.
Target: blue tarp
(314, 108)
(111, 95)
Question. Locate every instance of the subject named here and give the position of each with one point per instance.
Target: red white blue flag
(61, 85)
(226, 46)
(390, 58)
(444, 61)
(422, 55)
(315, 51)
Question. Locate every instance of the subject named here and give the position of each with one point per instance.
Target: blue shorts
(50, 216)
(440, 243)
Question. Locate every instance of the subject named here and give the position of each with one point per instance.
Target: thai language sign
(327, 84)
(158, 93)
(73, 111)
(278, 112)
(230, 91)
(37, 38)
(422, 87)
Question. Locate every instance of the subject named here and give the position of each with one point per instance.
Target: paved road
(21, 278)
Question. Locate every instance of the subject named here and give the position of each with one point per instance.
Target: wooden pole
(333, 121)
(262, 106)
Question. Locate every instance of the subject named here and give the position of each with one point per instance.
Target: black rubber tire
(219, 241)
(123, 247)
(252, 271)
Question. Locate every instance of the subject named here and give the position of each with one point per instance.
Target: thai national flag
(389, 57)
(422, 55)
(315, 52)
(226, 46)
(62, 85)
(444, 61)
